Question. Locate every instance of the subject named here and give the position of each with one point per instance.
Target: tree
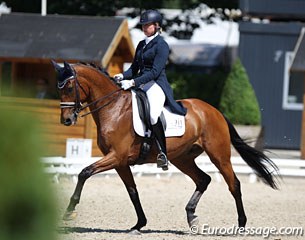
(109, 7)
(31, 6)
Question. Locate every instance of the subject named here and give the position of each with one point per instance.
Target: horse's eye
(70, 88)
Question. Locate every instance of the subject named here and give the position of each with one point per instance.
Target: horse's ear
(67, 66)
(55, 65)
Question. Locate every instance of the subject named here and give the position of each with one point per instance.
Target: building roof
(298, 62)
(274, 9)
(208, 55)
(79, 38)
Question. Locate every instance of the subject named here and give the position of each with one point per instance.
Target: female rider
(147, 72)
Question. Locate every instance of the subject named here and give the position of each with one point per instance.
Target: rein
(78, 106)
(98, 100)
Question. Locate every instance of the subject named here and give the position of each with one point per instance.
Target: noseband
(77, 105)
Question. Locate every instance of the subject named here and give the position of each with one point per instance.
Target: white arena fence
(60, 166)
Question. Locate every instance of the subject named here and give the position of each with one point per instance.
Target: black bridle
(77, 105)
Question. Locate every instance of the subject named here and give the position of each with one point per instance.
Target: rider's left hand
(118, 77)
(126, 84)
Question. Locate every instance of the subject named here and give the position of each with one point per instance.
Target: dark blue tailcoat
(149, 64)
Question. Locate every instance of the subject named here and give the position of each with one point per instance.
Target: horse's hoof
(194, 222)
(134, 232)
(194, 226)
(69, 216)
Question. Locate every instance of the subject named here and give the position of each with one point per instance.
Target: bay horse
(206, 130)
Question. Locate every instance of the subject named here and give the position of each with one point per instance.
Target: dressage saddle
(151, 132)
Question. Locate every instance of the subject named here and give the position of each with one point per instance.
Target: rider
(147, 72)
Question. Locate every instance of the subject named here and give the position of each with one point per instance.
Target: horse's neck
(100, 85)
(113, 119)
(112, 102)
(101, 89)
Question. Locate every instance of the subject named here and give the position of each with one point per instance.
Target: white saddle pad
(175, 124)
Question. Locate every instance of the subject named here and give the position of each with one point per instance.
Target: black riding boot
(159, 134)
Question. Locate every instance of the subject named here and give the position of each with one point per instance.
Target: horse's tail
(263, 166)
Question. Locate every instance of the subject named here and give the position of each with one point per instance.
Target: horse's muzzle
(69, 120)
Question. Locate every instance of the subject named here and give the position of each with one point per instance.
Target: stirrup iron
(162, 161)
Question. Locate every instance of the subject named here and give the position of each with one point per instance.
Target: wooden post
(14, 70)
(1, 79)
(303, 126)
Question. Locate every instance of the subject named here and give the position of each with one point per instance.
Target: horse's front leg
(127, 177)
(104, 164)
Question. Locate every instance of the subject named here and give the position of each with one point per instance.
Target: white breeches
(156, 98)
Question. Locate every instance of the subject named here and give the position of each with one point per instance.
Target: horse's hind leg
(225, 168)
(218, 147)
(242, 219)
(234, 187)
(201, 179)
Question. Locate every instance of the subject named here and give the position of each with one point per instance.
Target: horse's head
(71, 97)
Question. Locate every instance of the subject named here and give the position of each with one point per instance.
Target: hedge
(206, 86)
(27, 209)
(238, 100)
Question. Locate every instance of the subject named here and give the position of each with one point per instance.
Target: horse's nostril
(67, 122)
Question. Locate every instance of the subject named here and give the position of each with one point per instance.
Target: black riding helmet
(150, 16)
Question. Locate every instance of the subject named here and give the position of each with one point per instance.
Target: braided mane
(101, 70)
